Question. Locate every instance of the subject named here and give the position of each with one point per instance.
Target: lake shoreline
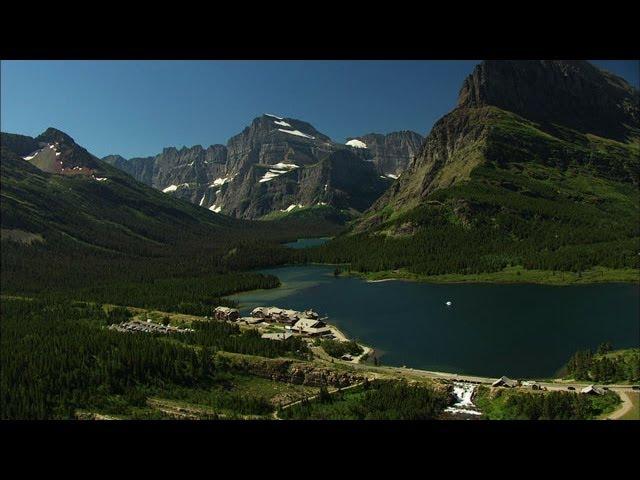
(515, 275)
(369, 315)
(506, 277)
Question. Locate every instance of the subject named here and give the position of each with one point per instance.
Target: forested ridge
(60, 357)
(605, 365)
(527, 215)
(119, 241)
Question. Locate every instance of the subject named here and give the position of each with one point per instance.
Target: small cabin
(592, 390)
(505, 382)
(311, 327)
(226, 314)
(280, 336)
(250, 320)
(260, 312)
(289, 316)
(310, 314)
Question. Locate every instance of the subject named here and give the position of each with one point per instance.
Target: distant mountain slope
(276, 166)
(65, 194)
(390, 153)
(521, 172)
(69, 220)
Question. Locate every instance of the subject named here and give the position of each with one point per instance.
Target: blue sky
(135, 108)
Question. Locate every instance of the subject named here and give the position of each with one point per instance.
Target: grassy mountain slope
(492, 190)
(86, 235)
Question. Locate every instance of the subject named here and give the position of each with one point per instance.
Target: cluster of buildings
(305, 323)
(510, 383)
(226, 314)
(147, 327)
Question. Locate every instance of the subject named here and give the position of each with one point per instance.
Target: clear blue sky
(135, 108)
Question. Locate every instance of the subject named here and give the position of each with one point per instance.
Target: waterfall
(463, 393)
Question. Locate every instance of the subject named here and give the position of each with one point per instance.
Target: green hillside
(88, 235)
(543, 198)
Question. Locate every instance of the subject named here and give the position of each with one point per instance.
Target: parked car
(571, 388)
(635, 387)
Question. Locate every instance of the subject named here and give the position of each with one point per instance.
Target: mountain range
(537, 166)
(278, 166)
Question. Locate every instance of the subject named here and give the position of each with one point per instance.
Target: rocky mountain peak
(575, 94)
(287, 129)
(53, 135)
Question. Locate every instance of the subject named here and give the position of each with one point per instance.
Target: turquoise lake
(307, 242)
(490, 329)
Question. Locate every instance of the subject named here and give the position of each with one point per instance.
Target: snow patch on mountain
(218, 182)
(282, 123)
(292, 207)
(285, 166)
(31, 155)
(271, 174)
(215, 209)
(297, 133)
(173, 188)
(356, 143)
(274, 116)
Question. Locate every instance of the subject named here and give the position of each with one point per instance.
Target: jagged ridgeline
(75, 225)
(279, 167)
(536, 166)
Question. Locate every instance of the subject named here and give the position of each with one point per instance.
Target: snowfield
(271, 174)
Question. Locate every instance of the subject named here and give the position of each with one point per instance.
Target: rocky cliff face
(300, 373)
(575, 94)
(274, 166)
(549, 112)
(390, 153)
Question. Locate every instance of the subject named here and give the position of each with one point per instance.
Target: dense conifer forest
(605, 365)
(377, 400)
(524, 215)
(60, 357)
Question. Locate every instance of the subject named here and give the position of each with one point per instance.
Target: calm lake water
(307, 242)
(489, 330)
